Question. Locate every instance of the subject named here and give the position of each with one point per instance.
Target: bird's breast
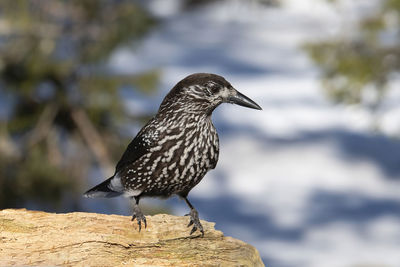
(177, 160)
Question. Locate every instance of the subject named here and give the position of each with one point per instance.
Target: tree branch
(93, 139)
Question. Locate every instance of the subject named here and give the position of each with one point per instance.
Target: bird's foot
(195, 221)
(138, 215)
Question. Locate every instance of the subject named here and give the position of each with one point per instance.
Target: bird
(173, 152)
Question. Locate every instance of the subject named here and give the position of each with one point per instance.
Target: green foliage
(52, 62)
(363, 61)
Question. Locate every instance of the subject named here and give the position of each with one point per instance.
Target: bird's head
(203, 92)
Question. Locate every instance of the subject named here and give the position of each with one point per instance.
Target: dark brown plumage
(175, 149)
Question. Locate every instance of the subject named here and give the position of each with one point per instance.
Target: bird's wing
(139, 146)
(134, 151)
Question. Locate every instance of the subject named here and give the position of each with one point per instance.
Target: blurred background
(312, 180)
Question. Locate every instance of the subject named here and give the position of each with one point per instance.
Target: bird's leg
(194, 219)
(137, 214)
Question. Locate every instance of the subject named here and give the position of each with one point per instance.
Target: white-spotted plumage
(172, 164)
(175, 149)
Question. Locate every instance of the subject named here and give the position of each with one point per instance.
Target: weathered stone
(88, 239)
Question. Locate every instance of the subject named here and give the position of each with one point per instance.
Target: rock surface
(89, 239)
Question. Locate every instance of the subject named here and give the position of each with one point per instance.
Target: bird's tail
(105, 189)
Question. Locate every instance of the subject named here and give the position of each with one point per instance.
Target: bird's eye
(215, 89)
(212, 88)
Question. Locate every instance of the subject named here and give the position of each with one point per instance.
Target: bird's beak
(235, 97)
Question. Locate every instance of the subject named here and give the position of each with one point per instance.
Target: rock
(89, 239)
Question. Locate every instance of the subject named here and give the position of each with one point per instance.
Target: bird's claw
(195, 221)
(138, 215)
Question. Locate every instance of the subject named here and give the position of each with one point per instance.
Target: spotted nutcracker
(176, 148)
